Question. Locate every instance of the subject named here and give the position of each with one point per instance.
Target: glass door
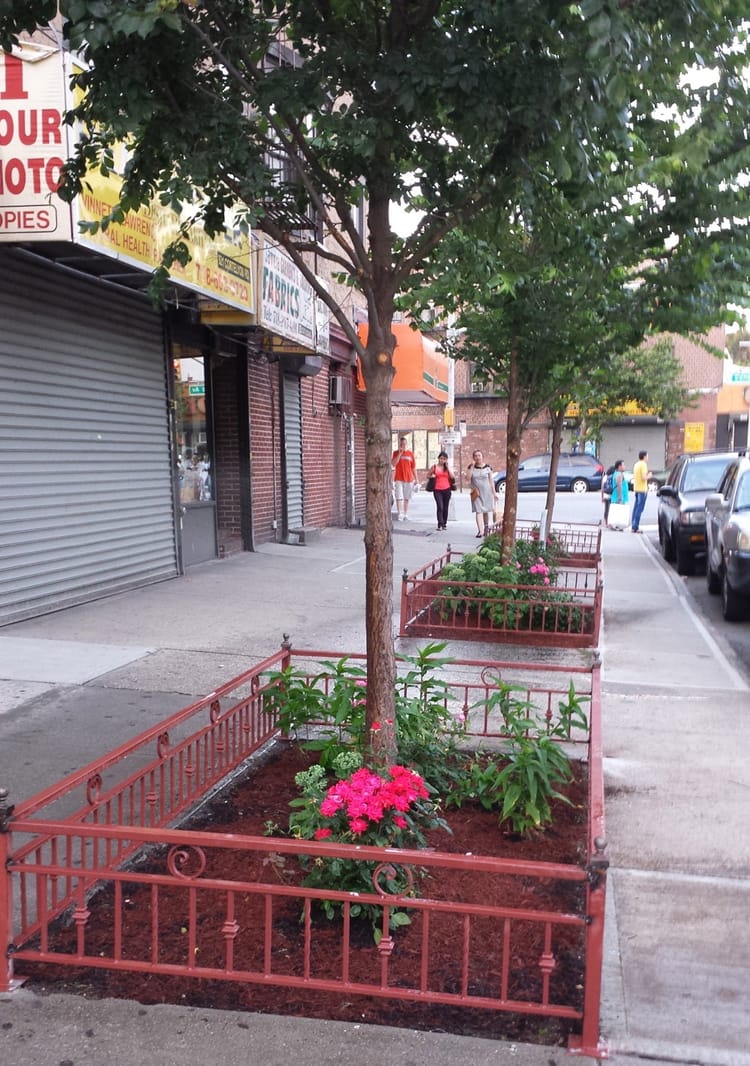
(195, 471)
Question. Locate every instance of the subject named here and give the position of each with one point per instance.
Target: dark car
(682, 513)
(728, 540)
(575, 473)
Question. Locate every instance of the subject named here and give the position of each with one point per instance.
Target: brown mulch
(248, 807)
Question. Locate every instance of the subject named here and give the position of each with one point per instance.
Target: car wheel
(713, 581)
(733, 606)
(579, 485)
(500, 487)
(667, 548)
(684, 560)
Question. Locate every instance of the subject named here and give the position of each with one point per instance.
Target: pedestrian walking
(443, 483)
(641, 474)
(404, 477)
(483, 495)
(619, 509)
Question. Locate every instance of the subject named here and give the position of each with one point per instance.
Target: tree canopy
(313, 107)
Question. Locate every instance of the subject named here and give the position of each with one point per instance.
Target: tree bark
(512, 456)
(377, 366)
(557, 418)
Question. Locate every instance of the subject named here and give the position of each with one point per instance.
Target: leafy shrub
(501, 591)
(334, 702)
(522, 781)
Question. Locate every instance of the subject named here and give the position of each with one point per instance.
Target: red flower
(321, 834)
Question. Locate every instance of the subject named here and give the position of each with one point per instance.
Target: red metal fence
(566, 615)
(580, 544)
(94, 827)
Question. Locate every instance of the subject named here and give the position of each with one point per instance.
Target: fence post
(402, 630)
(588, 1043)
(6, 898)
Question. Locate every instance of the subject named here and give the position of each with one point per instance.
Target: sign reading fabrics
(33, 145)
(288, 305)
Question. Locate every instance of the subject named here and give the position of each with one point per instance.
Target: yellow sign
(695, 433)
(219, 266)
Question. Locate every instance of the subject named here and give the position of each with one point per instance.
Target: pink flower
(321, 834)
(358, 826)
(399, 821)
(375, 727)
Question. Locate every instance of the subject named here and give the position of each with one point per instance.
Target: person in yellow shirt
(641, 475)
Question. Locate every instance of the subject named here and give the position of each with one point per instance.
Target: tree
(442, 105)
(554, 294)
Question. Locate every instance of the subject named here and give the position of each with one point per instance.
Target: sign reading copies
(33, 145)
(289, 307)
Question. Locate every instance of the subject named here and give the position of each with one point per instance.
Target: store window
(425, 443)
(193, 454)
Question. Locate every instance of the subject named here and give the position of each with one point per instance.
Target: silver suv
(728, 540)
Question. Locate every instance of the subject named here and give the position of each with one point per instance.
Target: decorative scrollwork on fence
(214, 710)
(93, 789)
(490, 677)
(391, 880)
(180, 861)
(162, 745)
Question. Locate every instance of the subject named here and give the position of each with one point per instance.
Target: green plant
(333, 701)
(505, 592)
(388, 809)
(523, 782)
(426, 728)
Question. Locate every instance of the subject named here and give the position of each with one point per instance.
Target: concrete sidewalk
(676, 728)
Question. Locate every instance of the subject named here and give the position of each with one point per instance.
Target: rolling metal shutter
(293, 452)
(87, 499)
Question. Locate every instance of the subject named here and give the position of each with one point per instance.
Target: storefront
(88, 501)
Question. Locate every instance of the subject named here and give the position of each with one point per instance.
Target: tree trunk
(557, 418)
(512, 456)
(381, 656)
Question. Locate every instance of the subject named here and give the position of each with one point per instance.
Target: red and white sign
(33, 145)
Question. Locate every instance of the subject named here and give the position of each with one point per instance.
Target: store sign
(33, 145)
(288, 305)
(695, 436)
(740, 376)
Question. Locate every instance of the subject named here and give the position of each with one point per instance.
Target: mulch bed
(248, 807)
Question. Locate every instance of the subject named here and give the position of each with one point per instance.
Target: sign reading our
(33, 144)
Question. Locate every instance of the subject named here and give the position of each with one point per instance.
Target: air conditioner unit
(340, 390)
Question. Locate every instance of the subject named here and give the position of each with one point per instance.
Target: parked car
(728, 540)
(578, 472)
(682, 514)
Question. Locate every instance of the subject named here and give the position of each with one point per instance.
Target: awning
(421, 370)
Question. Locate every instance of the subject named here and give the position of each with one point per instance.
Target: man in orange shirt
(404, 477)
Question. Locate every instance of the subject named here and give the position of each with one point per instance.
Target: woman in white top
(483, 495)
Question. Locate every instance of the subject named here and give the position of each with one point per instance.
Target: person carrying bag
(441, 483)
(619, 508)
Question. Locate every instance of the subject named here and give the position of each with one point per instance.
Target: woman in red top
(444, 484)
